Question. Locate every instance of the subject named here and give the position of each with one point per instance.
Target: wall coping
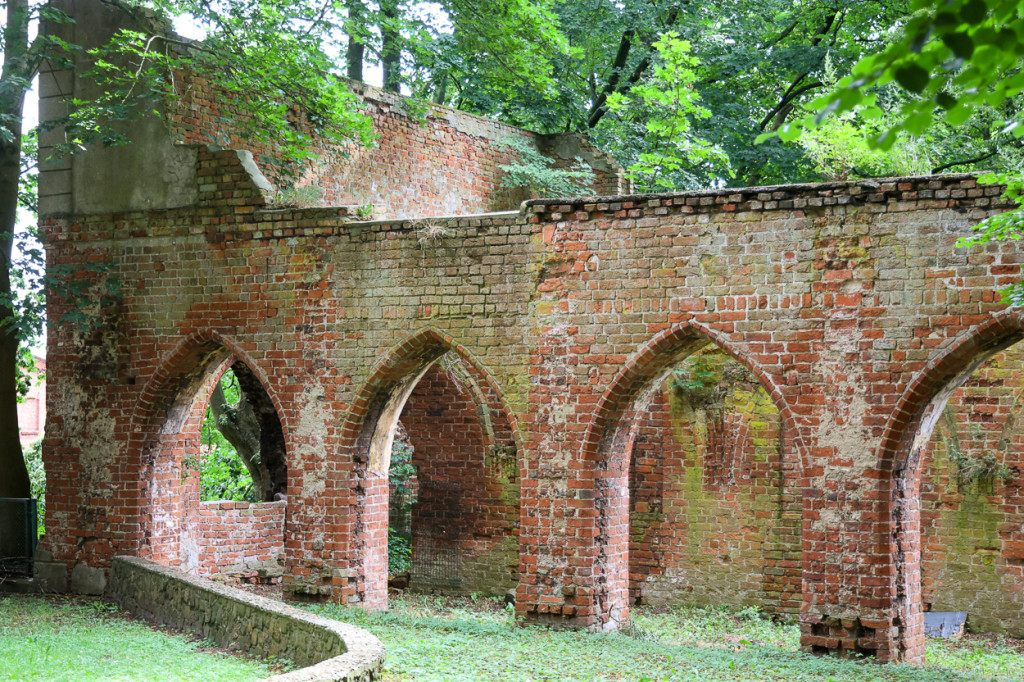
(359, 655)
(232, 505)
(856, 186)
(956, 192)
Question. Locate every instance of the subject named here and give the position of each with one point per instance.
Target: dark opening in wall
(456, 498)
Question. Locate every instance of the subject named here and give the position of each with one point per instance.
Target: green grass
(431, 638)
(80, 639)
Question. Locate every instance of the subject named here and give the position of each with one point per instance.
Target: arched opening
(713, 520)
(948, 444)
(457, 445)
(241, 444)
(463, 518)
(238, 530)
(972, 500)
(695, 461)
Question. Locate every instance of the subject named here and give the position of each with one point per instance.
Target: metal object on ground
(944, 624)
(17, 536)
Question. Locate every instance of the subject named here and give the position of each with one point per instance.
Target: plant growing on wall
(539, 175)
(979, 472)
(403, 496)
(704, 378)
(699, 381)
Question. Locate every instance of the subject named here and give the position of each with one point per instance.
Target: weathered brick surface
(238, 539)
(846, 302)
(973, 532)
(465, 518)
(712, 519)
(438, 161)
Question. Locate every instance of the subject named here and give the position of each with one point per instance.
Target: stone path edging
(330, 650)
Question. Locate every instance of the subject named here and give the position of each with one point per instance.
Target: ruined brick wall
(427, 160)
(846, 301)
(438, 161)
(465, 516)
(712, 521)
(239, 539)
(972, 527)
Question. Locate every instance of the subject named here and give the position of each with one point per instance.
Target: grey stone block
(52, 576)
(88, 580)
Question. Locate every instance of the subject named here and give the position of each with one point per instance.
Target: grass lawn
(63, 638)
(433, 638)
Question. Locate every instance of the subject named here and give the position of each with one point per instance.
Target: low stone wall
(332, 651)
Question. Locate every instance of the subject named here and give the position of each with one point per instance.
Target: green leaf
(789, 132)
(974, 11)
(912, 77)
(945, 100)
(959, 44)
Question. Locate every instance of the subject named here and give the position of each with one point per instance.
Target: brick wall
(426, 160)
(971, 531)
(244, 540)
(712, 521)
(847, 302)
(439, 161)
(32, 410)
(465, 516)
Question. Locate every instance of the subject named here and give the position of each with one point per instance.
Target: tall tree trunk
(356, 50)
(14, 481)
(441, 88)
(391, 46)
(240, 427)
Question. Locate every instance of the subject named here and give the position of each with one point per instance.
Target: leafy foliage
(706, 377)
(1002, 226)
(37, 475)
(403, 496)
(241, 54)
(976, 471)
(223, 475)
(670, 102)
(399, 552)
(537, 173)
(699, 380)
(954, 56)
(402, 471)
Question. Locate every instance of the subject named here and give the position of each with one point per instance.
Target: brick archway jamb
(906, 434)
(654, 358)
(396, 372)
(194, 355)
(955, 364)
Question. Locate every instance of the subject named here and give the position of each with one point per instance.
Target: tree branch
(787, 100)
(598, 108)
(965, 162)
(241, 429)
